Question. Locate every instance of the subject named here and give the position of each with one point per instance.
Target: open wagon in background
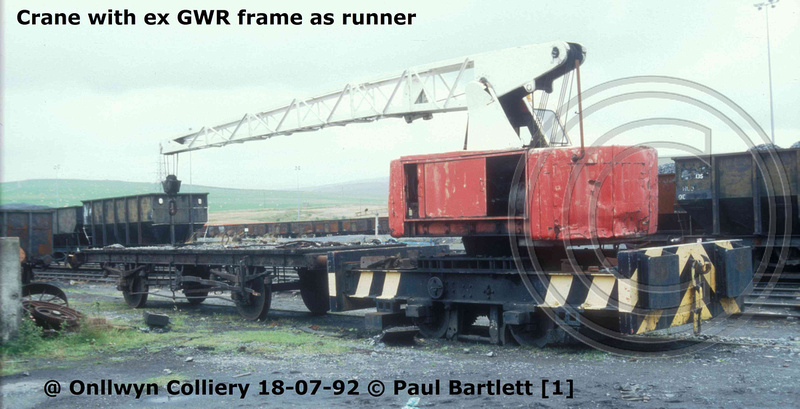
(34, 228)
(751, 196)
(142, 220)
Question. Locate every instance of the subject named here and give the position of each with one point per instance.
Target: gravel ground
(763, 373)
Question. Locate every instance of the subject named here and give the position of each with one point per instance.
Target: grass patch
(30, 346)
(216, 333)
(28, 337)
(267, 342)
(593, 355)
(90, 342)
(73, 289)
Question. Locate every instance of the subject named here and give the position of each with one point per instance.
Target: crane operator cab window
(550, 130)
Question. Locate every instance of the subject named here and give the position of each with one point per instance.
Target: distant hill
(378, 187)
(70, 192)
(22, 206)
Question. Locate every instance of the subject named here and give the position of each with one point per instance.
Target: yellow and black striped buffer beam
(348, 290)
(683, 284)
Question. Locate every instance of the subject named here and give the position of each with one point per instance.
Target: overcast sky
(98, 100)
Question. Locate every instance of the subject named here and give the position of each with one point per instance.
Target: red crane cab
(606, 194)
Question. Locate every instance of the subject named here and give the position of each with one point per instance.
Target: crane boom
(418, 92)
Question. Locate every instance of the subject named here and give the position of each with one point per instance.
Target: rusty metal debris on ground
(49, 307)
(54, 316)
(43, 292)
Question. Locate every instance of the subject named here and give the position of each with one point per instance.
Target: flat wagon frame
(250, 274)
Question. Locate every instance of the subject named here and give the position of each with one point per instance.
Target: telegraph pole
(769, 4)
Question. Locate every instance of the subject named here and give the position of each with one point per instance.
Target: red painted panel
(420, 194)
(455, 188)
(611, 193)
(438, 157)
(397, 198)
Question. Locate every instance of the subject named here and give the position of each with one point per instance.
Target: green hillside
(71, 192)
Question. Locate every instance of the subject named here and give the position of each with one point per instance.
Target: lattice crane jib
(490, 86)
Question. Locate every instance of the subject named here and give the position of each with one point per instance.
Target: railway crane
(552, 233)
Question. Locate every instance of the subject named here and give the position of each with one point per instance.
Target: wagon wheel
(53, 316)
(435, 325)
(73, 262)
(44, 292)
(135, 291)
(536, 333)
(314, 290)
(197, 293)
(254, 307)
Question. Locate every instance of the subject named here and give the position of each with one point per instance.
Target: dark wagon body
(144, 219)
(740, 194)
(68, 231)
(751, 196)
(34, 229)
(52, 234)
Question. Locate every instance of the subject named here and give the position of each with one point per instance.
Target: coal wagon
(144, 219)
(751, 196)
(34, 228)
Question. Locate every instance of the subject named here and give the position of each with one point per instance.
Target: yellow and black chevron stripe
(698, 281)
(381, 285)
(371, 286)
